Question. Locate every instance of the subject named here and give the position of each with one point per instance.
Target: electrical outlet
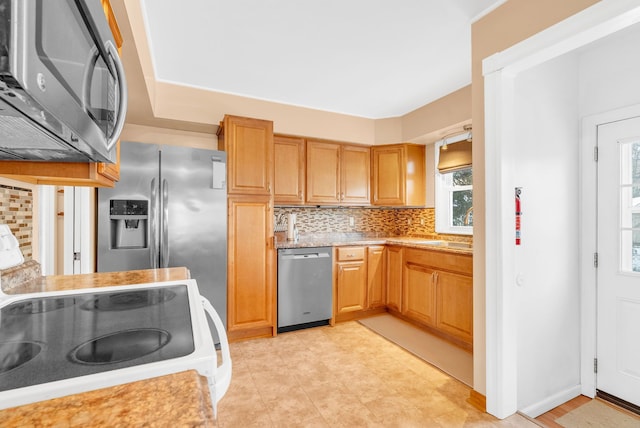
(351, 221)
(421, 222)
(409, 221)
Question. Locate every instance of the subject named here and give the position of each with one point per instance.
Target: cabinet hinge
(595, 154)
(595, 260)
(595, 365)
(76, 256)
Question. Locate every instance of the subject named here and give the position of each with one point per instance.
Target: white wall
(609, 73)
(546, 167)
(551, 100)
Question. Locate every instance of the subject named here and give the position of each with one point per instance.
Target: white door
(618, 246)
(78, 257)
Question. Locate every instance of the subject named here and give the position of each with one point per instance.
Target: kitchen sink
(437, 242)
(428, 241)
(453, 244)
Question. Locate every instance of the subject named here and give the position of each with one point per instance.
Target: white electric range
(60, 343)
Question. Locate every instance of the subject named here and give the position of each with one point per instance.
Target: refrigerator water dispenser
(128, 223)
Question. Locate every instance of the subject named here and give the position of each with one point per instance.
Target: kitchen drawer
(460, 263)
(350, 253)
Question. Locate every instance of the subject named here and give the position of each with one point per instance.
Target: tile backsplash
(16, 210)
(381, 221)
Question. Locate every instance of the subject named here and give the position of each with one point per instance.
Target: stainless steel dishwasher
(304, 287)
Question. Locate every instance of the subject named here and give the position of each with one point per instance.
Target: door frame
(500, 71)
(588, 229)
(79, 228)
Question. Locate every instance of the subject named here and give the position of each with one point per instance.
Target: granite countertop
(92, 280)
(179, 399)
(338, 239)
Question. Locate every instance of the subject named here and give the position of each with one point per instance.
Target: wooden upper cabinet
(355, 165)
(249, 144)
(289, 170)
(398, 176)
(88, 174)
(337, 173)
(323, 173)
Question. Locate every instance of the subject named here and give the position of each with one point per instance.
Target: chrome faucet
(468, 216)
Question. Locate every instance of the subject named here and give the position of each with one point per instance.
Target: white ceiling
(367, 58)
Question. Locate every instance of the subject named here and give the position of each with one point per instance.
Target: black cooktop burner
(38, 306)
(129, 300)
(120, 346)
(50, 338)
(15, 354)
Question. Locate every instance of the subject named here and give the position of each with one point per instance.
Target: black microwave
(63, 92)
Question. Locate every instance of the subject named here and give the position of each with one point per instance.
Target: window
(454, 200)
(630, 206)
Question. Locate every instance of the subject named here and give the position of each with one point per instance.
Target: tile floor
(343, 376)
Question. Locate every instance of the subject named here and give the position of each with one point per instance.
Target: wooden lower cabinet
(251, 268)
(351, 280)
(394, 278)
(438, 293)
(419, 297)
(455, 305)
(351, 286)
(359, 282)
(376, 290)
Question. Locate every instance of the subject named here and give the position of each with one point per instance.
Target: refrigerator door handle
(153, 227)
(164, 241)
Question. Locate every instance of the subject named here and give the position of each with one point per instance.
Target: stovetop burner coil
(129, 300)
(38, 306)
(15, 354)
(120, 346)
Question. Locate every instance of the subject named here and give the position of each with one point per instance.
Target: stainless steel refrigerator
(169, 209)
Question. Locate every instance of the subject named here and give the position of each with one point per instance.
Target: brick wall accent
(16, 210)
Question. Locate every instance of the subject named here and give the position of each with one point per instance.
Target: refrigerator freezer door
(138, 168)
(197, 220)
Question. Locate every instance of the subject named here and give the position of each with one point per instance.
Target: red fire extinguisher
(518, 214)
